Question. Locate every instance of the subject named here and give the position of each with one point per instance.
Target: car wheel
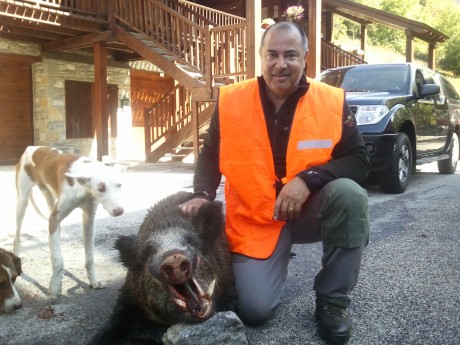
(396, 179)
(449, 165)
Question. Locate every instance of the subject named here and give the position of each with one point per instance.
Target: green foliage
(442, 15)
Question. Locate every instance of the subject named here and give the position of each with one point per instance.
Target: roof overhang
(367, 15)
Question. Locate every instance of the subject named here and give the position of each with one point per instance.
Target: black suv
(407, 114)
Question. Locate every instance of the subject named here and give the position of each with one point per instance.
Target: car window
(419, 80)
(449, 89)
(367, 78)
(423, 77)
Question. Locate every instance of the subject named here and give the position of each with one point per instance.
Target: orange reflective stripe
(246, 158)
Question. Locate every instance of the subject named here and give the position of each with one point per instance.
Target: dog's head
(103, 183)
(10, 268)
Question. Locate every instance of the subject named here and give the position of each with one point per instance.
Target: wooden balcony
(201, 48)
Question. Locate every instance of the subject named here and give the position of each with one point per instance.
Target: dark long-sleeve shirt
(349, 157)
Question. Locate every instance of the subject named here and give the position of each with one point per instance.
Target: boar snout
(176, 269)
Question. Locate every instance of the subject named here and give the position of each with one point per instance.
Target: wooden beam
(195, 130)
(409, 46)
(432, 56)
(329, 24)
(253, 36)
(363, 39)
(314, 38)
(20, 58)
(78, 42)
(13, 30)
(101, 111)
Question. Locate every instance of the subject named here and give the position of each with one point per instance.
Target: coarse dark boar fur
(179, 270)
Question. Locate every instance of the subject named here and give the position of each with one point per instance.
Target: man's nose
(281, 62)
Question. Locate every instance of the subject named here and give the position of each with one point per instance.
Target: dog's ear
(17, 264)
(82, 178)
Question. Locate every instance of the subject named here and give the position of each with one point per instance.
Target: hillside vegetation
(442, 15)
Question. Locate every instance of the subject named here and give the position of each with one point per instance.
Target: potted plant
(294, 13)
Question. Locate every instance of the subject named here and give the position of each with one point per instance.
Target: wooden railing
(228, 49)
(97, 9)
(333, 56)
(217, 52)
(166, 118)
(168, 29)
(218, 17)
(162, 117)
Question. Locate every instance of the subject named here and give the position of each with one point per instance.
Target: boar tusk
(180, 303)
(193, 295)
(210, 290)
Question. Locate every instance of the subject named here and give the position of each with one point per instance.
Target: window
(79, 109)
(449, 88)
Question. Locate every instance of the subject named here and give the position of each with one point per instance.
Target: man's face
(283, 62)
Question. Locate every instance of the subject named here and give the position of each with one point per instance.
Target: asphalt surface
(407, 293)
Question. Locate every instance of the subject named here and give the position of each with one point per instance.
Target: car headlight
(370, 114)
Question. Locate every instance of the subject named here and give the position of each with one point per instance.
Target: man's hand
(191, 207)
(290, 199)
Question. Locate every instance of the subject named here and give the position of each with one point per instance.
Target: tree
(442, 15)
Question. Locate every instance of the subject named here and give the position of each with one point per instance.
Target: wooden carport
(364, 15)
(320, 19)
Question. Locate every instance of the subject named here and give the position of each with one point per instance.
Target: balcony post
(314, 38)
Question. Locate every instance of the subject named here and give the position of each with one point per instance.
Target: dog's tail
(34, 204)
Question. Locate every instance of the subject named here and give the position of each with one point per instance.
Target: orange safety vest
(246, 158)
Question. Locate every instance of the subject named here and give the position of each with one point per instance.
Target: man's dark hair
(284, 26)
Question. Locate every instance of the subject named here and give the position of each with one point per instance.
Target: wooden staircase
(199, 47)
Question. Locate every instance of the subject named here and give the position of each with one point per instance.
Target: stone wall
(48, 80)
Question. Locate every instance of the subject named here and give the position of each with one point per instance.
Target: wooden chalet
(94, 77)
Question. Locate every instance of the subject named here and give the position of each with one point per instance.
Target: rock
(224, 328)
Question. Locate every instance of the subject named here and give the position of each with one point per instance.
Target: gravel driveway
(407, 293)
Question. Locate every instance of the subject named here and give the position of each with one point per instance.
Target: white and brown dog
(67, 181)
(10, 268)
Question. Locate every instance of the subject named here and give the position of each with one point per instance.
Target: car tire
(396, 179)
(449, 165)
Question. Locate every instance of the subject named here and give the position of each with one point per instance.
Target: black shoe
(334, 324)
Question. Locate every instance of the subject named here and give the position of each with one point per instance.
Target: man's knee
(345, 215)
(346, 193)
(255, 313)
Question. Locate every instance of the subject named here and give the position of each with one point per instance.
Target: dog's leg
(61, 210)
(89, 214)
(57, 262)
(50, 199)
(23, 186)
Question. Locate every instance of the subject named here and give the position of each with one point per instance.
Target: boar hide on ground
(179, 270)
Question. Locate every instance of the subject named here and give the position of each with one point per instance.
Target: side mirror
(429, 90)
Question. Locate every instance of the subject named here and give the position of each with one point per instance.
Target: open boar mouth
(191, 298)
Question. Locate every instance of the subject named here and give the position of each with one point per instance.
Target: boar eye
(192, 241)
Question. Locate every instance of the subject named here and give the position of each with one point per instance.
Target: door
(431, 119)
(16, 126)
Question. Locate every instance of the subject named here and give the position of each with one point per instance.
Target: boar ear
(210, 221)
(127, 246)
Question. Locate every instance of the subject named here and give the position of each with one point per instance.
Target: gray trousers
(337, 215)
